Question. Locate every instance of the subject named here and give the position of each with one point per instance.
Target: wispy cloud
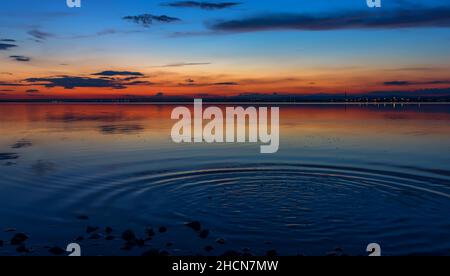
(384, 19)
(191, 83)
(410, 83)
(39, 35)
(118, 73)
(12, 84)
(106, 32)
(6, 46)
(202, 5)
(182, 64)
(7, 40)
(21, 58)
(148, 19)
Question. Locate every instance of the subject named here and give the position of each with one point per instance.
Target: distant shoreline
(226, 102)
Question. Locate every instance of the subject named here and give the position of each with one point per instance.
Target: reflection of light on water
(348, 172)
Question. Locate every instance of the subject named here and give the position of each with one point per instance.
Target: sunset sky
(108, 49)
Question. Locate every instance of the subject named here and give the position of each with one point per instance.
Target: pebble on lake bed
(162, 229)
(19, 238)
(23, 249)
(140, 242)
(95, 236)
(57, 250)
(150, 232)
(91, 229)
(194, 225)
(79, 239)
(204, 234)
(221, 241)
(128, 236)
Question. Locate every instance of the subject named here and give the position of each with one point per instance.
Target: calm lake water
(345, 176)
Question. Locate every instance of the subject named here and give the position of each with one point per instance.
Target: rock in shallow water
(150, 232)
(194, 225)
(57, 251)
(95, 236)
(162, 229)
(140, 242)
(23, 249)
(221, 241)
(91, 229)
(204, 234)
(19, 239)
(128, 235)
(79, 239)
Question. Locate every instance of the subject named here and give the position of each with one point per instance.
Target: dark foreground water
(345, 176)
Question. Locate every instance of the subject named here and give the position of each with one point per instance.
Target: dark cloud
(39, 35)
(202, 5)
(70, 82)
(409, 83)
(226, 83)
(118, 73)
(6, 46)
(148, 19)
(130, 78)
(132, 83)
(397, 83)
(21, 58)
(105, 79)
(32, 91)
(7, 40)
(10, 84)
(6, 90)
(192, 83)
(182, 64)
(370, 19)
